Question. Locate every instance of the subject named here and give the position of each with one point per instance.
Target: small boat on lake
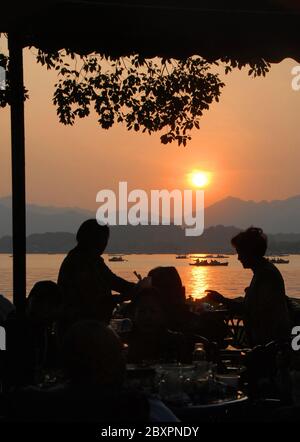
(214, 256)
(205, 262)
(116, 259)
(278, 261)
(181, 257)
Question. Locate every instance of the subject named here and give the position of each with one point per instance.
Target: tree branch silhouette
(147, 95)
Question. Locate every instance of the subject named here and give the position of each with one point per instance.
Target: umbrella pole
(18, 170)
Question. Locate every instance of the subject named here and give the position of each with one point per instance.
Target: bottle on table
(199, 360)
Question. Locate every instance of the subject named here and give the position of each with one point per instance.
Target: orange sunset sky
(249, 141)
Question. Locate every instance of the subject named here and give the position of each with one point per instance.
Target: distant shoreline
(147, 253)
(154, 240)
(128, 253)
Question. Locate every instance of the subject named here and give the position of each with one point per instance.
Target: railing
(237, 334)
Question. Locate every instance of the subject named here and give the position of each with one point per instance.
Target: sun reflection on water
(199, 282)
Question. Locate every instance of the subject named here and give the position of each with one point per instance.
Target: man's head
(93, 236)
(92, 355)
(251, 246)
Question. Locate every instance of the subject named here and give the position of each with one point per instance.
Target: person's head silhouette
(251, 246)
(93, 236)
(44, 302)
(168, 282)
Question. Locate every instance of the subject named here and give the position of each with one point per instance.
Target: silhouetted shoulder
(272, 271)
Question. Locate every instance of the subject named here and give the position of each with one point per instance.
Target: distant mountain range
(278, 216)
(41, 219)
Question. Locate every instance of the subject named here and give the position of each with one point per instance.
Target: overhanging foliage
(148, 95)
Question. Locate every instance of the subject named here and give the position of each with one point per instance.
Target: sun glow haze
(199, 178)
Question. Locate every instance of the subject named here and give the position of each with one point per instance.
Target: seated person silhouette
(6, 308)
(32, 344)
(150, 340)
(86, 281)
(179, 317)
(266, 318)
(264, 308)
(44, 309)
(94, 368)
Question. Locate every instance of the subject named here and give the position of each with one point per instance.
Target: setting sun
(199, 178)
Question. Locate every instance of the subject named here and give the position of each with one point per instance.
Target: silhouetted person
(44, 310)
(86, 281)
(150, 339)
(31, 340)
(266, 318)
(264, 308)
(44, 303)
(94, 369)
(6, 308)
(179, 317)
(168, 281)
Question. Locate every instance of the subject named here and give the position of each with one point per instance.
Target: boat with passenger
(116, 259)
(218, 256)
(278, 261)
(205, 262)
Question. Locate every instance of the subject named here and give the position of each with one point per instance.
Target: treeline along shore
(155, 239)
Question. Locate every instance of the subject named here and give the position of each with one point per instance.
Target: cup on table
(122, 325)
(232, 380)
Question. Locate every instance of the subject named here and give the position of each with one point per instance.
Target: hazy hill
(154, 239)
(278, 216)
(41, 219)
(134, 239)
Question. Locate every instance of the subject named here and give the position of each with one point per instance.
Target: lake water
(230, 281)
